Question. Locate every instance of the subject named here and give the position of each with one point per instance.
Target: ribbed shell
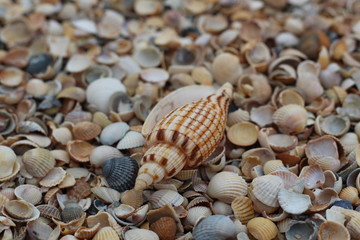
(120, 173)
(106, 233)
(243, 209)
(217, 227)
(86, 130)
(71, 212)
(262, 228)
(162, 197)
(38, 162)
(164, 227)
(49, 211)
(190, 134)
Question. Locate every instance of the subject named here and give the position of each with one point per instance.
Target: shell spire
(184, 138)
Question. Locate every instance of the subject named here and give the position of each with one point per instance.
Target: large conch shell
(185, 137)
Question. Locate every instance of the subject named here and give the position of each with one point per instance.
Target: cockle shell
(333, 230)
(20, 211)
(266, 189)
(107, 195)
(120, 173)
(106, 233)
(262, 228)
(107, 135)
(162, 197)
(181, 136)
(29, 193)
(8, 162)
(54, 177)
(217, 227)
(86, 130)
(197, 213)
(226, 186)
(38, 162)
(49, 211)
(243, 209)
(140, 234)
(72, 211)
(290, 118)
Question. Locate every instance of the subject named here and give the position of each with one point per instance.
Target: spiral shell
(185, 137)
(38, 162)
(120, 173)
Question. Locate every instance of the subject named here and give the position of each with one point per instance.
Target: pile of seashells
(172, 119)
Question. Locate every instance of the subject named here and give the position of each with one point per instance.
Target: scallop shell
(262, 228)
(291, 118)
(350, 193)
(106, 233)
(38, 162)
(86, 130)
(54, 177)
(333, 230)
(107, 195)
(20, 211)
(243, 209)
(292, 202)
(162, 197)
(221, 208)
(272, 166)
(214, 227)
(140, 234)
(120, 173)
(49, 211)
(132, 139)
(79, 150)
(101, 119)
(8, 163)
(226, 186)
(72, 211)
(101, 154)
(80, 190)
(197, 213)
(353, 226)
(243, 134)
(29, 193)
(266, 189)
(107, 135)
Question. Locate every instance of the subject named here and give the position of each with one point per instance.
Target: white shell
(102, 153)
(107, 135)
(140, 234)
(292, 202)
(131, 139)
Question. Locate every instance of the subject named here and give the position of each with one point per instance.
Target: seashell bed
(180, 120)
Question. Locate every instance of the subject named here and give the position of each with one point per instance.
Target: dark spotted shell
(71, 211)
(120, 173)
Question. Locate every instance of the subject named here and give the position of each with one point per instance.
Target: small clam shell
(49, 211)
(333, 230)
(107, 135)
(226, 186)
(38, 162)
(262, 228)
(272, 166)
(300, 230)
(291, 118)
(258, 56)
(335, 125)
(39, 229)
(101, 154)
(79, 150)
(164, 227)
(214, 227)
(353, 226)
(162, 197)
(36, 87)
(140, 234)
(246, 86)
(237, 116)
(202, 76)
(11, 77)
(80, 190)
(132, 139)
(20, 211)
(54, 177)
(291, 181)
(226, 68)
(87, 233)
(266, 189)
(292, 202)
(86, 130)
(350, 141)
(221, 208)
(72, 211)
(62, 135)
(282, 142)
(197, 213)
(78, 63)
(74, 93)
(29, 193)
(17, 57)
(120, 173)
(148, 56)
(243, 209)
(313, 175)
(262, 115)
(101, 119)
(7, 162)
(350, 193)
(107, 195)
(106, 233)
(243, 134)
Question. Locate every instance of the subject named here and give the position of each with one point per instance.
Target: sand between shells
(160, 120)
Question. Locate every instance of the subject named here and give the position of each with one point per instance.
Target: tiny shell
(7, 161)
(38, 161)
(350, 193)
(290, 118)
(226, 186)
(148, 57)
(243, 209)
(132, 139)
(262, 228)
(155, 75)
(214, 227)
(243, 134)
(196, 213)
(106, 233)
(133, 198)
(86, 130)
(120, 173)
(49, 211)
(20, 211)
(300, 230)
(107, 135)
(335, 125)
(62, 135)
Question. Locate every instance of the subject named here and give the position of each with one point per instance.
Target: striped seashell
(243, 209)
(107, 135)
(79, 150)
(120, 173)
(197, 213)
(80, 190)
(217, 227)
(86, 130)
(262, 228)
(29, 193)
(38, 161)
(7, 162)
(162, 197)
(164, 227)
(132, 139)
(49, 211)
(140, 234)
(185, 137)
(266, 189)
(71, 211)
(87, 233)
(107, 195)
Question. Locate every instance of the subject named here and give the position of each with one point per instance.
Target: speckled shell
(120, 173)
(106, 233)
(185, 137)
(38, 162)
(71, 212)
(217, 227)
